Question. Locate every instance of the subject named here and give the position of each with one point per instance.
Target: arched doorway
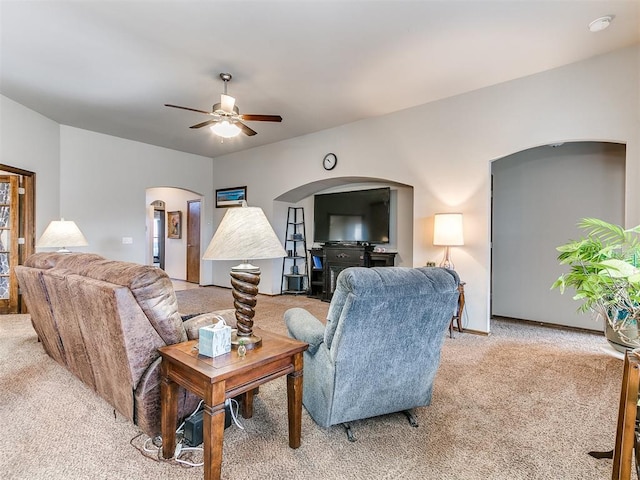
(173, 249)
(539, 195)
(401, 211)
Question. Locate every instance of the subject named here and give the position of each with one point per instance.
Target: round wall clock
(330, 161)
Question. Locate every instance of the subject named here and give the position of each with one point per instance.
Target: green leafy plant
(604, 274)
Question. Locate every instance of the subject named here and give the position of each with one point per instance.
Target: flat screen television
(351, 217)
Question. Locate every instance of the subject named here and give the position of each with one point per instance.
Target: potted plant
(605, 276)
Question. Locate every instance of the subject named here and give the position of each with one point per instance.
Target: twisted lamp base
(244, 280)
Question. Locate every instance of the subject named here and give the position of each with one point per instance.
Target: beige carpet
(527, 402)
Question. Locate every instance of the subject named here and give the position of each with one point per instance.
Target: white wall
(31, 141)
(103, 188)
(444, 149)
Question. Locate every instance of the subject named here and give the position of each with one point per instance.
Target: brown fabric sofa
(104, 320)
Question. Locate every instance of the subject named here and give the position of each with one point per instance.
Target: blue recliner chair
(380, 349)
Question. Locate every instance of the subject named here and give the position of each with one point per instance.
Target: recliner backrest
(388, 308)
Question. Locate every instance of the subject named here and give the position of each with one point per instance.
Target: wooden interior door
(193, 241)
(21, 208)
(9, 234)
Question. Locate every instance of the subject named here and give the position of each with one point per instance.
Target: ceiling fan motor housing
(217, 109)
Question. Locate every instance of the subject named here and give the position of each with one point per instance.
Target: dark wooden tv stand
(336, 257)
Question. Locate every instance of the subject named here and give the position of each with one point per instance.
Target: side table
(227, 376)
(623, 453)
(459, 311)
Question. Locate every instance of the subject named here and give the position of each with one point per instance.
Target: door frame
(26, 220)
(193, 241)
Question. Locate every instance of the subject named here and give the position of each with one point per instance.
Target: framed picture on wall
(174, 224)
(230, 197)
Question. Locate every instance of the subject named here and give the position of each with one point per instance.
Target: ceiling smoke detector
(601, 23)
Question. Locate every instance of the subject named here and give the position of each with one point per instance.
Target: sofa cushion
(36, 297)
(61, 301)
(47, 260)
(150, 286)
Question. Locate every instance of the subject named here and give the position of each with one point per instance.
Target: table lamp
(62, 233)
(244, 234)
(447, 232)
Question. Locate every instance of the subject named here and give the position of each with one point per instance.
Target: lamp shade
(244, 234)
(447, 229)
(62, 233)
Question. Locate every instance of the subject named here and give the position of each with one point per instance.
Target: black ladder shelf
(294, 265)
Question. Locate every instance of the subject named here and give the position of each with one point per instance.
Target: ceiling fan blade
(251, 117)
(246, 130)
(188, 108)
(203, 124)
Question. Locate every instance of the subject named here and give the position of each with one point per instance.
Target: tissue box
(215, 340)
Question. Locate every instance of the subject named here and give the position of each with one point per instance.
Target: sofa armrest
(192, 326)
(303, 326)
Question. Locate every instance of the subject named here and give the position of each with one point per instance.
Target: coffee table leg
(213, 431)
(169, 413)
(294, 400)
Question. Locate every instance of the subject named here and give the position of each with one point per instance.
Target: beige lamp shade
(244, 234)
(61, 234)
(447, 229)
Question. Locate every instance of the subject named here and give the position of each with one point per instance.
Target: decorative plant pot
(625, 339)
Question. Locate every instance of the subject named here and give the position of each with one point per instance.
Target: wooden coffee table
(227, 376)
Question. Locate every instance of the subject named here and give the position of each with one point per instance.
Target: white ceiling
(109, 66)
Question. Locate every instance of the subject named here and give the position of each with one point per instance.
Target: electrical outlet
(127, 240)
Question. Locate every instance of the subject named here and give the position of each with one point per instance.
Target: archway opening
(169, 239)
(539, 195)
(401, 211)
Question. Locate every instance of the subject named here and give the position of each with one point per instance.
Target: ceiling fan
(227, 120)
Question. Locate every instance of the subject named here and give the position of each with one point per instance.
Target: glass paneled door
(9, 233)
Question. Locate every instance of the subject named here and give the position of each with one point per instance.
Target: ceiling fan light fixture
(225, 129)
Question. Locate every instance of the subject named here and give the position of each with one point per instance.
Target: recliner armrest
(303, 326)
(192, 326)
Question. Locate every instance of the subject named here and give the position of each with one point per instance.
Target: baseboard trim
(546, 325)
(473, 332)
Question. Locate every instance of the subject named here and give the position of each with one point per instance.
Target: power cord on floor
(180, 450)
(154, 445)
(234, 414)
(180, 429)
